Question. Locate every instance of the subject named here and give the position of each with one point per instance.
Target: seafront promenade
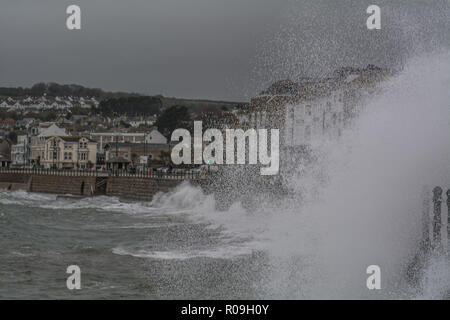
(170, 175)
(140, 186)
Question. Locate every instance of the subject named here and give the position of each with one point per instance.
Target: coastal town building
(7, 124)
(118, 163)
(142, 122)
(152, 137)
(20, 152)
(18, 155)
(38, 142)
(24, 123)
(5, 153)
(36, 104)
(120, 155)
(313, 110)
(69, 152)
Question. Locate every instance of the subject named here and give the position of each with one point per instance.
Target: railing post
(437, 222)
(426, 241)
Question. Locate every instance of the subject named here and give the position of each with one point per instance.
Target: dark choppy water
(124, 250)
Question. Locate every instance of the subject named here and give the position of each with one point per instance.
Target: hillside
(59, 90)
(116, 102)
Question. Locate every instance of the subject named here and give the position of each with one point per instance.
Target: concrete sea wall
(13, 181)
(126, 187)
(142, 189)
(79, 186)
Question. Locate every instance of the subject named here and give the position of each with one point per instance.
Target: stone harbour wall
(13, 181)
(140, 189)
(78, 186)
(125, 187)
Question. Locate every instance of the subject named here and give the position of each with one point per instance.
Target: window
(308, 110)
(83, 145)
(55, 156)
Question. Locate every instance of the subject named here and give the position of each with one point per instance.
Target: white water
(369, 210)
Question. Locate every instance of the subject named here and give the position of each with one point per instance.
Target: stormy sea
(359, 204)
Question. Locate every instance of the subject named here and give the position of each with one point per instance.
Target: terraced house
(69, 152)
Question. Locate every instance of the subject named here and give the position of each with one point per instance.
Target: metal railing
(174, 175)
(433, 239)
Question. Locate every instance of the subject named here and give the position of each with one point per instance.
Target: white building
(137, 123)
(44, 131)
(312, 122)
(18, 152)
(153, 137)
(69, 152)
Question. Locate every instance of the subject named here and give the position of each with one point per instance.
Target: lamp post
(53, 154)
(117, 149)
(24, 153)
(145, 151)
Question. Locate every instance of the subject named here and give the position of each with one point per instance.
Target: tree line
(60, 90)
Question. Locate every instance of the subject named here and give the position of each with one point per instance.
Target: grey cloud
(217, 49)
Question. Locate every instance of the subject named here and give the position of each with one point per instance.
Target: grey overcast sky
(212, 49)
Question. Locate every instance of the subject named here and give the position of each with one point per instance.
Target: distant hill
(60, 90)
(117, 102)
